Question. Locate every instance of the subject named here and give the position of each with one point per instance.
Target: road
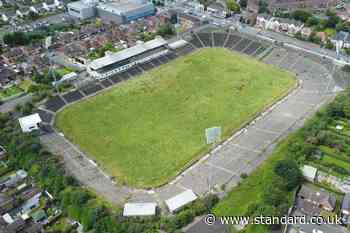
(10, 105)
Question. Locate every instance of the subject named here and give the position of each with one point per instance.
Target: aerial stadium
(148, 129)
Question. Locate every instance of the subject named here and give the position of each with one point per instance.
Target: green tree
(301, 15)
(166, 30)
(289, 171)
(233, 6)
(312, 21)
(16, 39)
(243, 3)
(263, 7)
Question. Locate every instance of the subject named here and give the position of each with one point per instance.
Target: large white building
(120, 61)
(121, 11)
(82, 9)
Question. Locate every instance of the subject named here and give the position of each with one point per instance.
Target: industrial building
(82, 9)
(121, 11)
(120, 61)
(124, 11)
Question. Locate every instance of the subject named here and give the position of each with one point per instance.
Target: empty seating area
(146, 66)
(116, 78)
(172, 56)
(91, 89)
(72, 96)
(219, 39)
(242, 45)
(54, 104)
(195, 41)
(184, 50)
(133, 71)
(106, 82)
(46, 117)
(232, 40)
(252, 48)
(206, 39)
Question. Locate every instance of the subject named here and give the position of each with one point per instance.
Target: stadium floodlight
(213, 135)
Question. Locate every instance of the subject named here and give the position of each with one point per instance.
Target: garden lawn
(146, 130)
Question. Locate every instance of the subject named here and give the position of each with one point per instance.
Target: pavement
(242, 153)
(11, 104)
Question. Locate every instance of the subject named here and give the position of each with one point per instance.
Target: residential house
(312, 201)
(267, 22)
(51, 5)
(342, 39)
(14, 55)
(291, 5)
(345, 207)
(6, 203)
(7, 76)
(306, 32)
(323, 36)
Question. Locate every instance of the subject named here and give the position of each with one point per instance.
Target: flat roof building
(140, 209)
(125, 11)
(81, 9)
(30, 123)
(309, 173)
(121, 11)
(176, 203)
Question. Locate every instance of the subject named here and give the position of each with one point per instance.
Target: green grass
(146, 130)
(335, 161)
(11, 91)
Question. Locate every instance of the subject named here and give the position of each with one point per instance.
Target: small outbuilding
(30, 123)
(177, 202)
(140, 209)
(309, 173)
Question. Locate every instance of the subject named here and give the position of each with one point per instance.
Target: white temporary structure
(309, 173)
(177, 202)
(30, 123)
(140, 209)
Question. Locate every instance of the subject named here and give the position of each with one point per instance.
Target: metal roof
(140, 209)
(28, 123)
(178, 44)
(127, 53)
(180, 200)
(79, 5)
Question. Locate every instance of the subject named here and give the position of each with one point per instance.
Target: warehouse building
(82, 9)
(121, 11)
(120, 61)
(125, 11)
